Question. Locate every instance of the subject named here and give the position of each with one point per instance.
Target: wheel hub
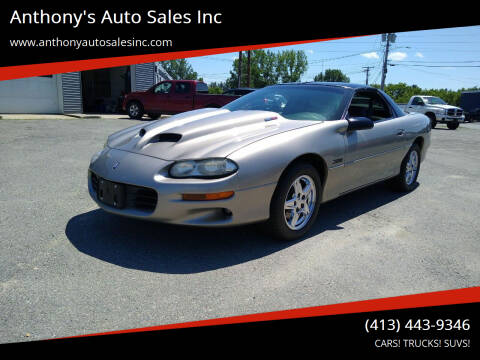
(300, 202)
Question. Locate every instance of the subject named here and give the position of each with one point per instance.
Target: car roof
(336, 84)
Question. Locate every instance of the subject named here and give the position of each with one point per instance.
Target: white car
(436, 109)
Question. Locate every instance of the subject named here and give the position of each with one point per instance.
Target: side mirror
(359, 123)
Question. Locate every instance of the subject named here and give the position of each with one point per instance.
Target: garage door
(30, 95)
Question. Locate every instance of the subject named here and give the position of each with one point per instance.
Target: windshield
(435, 101)
(295, 102)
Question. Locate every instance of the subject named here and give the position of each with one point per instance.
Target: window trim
(393, 113)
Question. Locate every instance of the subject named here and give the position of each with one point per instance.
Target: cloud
(397, 56)
(419, 55)
(310, 51)
(371, 55)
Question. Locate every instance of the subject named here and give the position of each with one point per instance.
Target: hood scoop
(166, 137)
(162, 137)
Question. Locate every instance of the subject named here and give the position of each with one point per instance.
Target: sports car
(274, 156)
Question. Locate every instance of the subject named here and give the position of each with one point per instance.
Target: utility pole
(390, 37)
(248, 68)
(239, 69)
(367, 69)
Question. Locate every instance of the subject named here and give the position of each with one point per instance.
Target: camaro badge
(115, 165)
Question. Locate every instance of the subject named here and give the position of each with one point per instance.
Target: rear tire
(295, 202)
(453, 125)
(406, 180)
(135, 110)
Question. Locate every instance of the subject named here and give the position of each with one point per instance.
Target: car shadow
(163, 248)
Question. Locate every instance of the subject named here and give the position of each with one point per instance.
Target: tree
(292, 65)
(268, 68)
(217, 88)
(332, 75)
(179, 69)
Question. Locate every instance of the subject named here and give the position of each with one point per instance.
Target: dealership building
(92, 91)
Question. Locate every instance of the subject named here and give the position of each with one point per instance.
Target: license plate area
(110, 193)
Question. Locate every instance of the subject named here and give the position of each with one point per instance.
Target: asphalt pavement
(68, 268)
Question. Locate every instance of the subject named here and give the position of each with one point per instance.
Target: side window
(369, 104)
(417, 101)
(182, 88)
(163, 88)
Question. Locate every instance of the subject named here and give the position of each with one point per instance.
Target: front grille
(451, 112)
(137, 197)
(459, 112)
(141, 198)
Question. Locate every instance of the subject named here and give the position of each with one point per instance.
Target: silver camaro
(273, 155)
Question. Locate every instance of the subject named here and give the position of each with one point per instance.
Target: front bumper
(446, 118)
(247, 205)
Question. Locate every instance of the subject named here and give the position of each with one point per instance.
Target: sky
(431, 59)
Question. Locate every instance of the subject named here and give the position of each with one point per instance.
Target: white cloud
(310, 51)
(419, 55)
(397, 56)
(371, 55)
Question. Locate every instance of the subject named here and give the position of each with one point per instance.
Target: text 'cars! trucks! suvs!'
(436, 109)
(172, 97)
(273, 155)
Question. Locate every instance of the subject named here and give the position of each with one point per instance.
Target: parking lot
(68, 268)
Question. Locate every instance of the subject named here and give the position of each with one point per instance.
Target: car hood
(202, 133)
(446, 107)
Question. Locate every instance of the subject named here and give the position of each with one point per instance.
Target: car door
(181, 98)
(158, 98)
(376, 153)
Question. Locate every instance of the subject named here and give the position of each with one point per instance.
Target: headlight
(207, 168)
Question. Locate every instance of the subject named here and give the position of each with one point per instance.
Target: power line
(438, 66)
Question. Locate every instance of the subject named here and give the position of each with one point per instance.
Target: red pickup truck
(171, 97)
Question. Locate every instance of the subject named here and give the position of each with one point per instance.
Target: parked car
(470, 103)
(273, 155)
(172, 97)
(239, 91)
(436, 109)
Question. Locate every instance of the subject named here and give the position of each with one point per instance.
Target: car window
(163, 88)
(182, 88)
(369, 104)
(417, 101)
(202, 88)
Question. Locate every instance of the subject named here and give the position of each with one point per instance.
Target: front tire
(295, 203)
(135, 110)
(453, 125)
(406, 180)
(433, 120)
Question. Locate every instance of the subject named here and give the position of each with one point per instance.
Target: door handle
(401, 132)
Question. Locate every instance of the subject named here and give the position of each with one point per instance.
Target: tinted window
(295, 102)
(163, 88)
(182, 87)
(369, 104)
(202, 87)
